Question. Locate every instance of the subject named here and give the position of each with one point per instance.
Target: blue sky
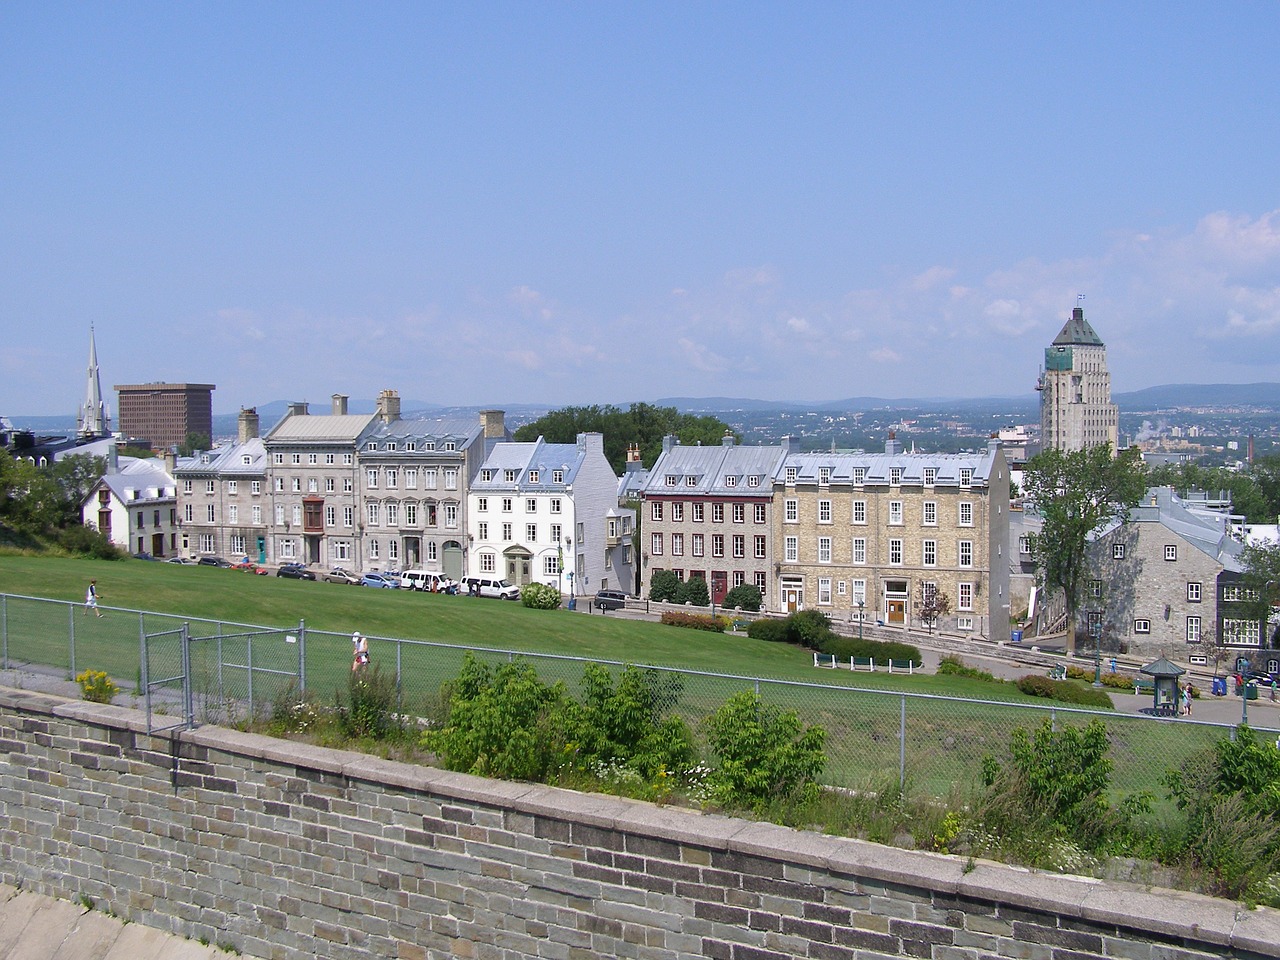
(595, 202)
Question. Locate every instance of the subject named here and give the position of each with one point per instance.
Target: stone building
(134, 505)
(858, 534)
(224, 498)
(1076, 411)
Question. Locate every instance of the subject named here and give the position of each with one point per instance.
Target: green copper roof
(1078, 331)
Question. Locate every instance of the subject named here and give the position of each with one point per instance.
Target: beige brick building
(865, 534)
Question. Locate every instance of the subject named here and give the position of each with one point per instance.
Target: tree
(933, 604)
(641, 423)
(193, 442)
(1077, 494)
(745, 596)
(1261, 583)
(664, 586)
(694, 591)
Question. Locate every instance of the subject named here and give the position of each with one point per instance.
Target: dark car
(213, 562)
(610, 600)
(295, 571)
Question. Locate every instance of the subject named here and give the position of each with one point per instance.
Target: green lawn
(945, 740)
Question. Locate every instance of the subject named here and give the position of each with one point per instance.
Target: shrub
(502, 723)
(96, 686)
(951, 665)
(664, 586)
(627, 721)
(87, 542)
(694, 591)
(694, 621)
(368, 708)
(745, 596)
(810, 628)
(1064, 691)
(766, 628)
(763, 753)
(882, 650)
(540, 596)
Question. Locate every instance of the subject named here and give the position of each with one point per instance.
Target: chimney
(298, 409)
(892, 445)
(993, 443)
(113, 458)
(591, 443)
(727, 439)
(633, 452)
(247, 424)
(388, 406)
(670, 441)
(339, 404)
(170, 458)
(494, 423)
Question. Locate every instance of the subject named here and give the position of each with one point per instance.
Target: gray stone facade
(289, 851)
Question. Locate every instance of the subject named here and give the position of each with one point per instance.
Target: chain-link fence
(873, 736)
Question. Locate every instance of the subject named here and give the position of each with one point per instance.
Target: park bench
(868, 662)
(908, 665)
(827, 660)
(1143, 685)
(1058, 672)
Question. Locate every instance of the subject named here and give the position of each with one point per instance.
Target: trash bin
(1251, 691)
(1218, 686)
(573, 603)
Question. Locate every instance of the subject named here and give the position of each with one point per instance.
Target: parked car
(250, 566)
(338, 575)
(295, 571)
(144, 556)
(610, 600)
(377, 580)
(392, 577)
(428, 581)
(213, 562)
(183, 560)
(488, 587)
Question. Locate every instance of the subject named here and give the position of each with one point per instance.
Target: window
(929, 513)
(739, 513)
(760, 513)
(279, 484)
(482, 505)
(717, 544)
(859, 549)
(691, 481)
(964, 596)
(551, 565)
(655, 510)
(859, 476)
(347, 459)
(824, 591)
(451, 515)
(717, 513)
(531, 532)
(966, 477)
(506, 531)
(557, 476)
(1117, 551)
(677, 512)
(393, 477)
(730, 481)
(930, 476)
(487, 562)
(393, 514)
(555, 504)
(677, 544)
(429, 478)
(1095, 589)
(1193, 629)
(696, 543)
(929, 553)
(1171, 551)
(824, 511)
(895, 513)
(279, 514)
(210, 515)
(895, 552)
(232, 486)
(233, 514)
(346, 484)
(790, 475)
(791, 510)
(555, 533)
(257, 513)
(1237, 632)
(328, 459)
(451, 478)
(411, 514)
(506, 504)
(371, 478)
(1024, 544)
(391, 445)
(530, 505)
(411, 478)
(753, 481)
(671, 480)
(238, 543)
(393, 549)
(859, 511)
(328, 485)
(509, 476)
(1142, 626)
(482, 528)
(698, 509)
(655, 546)
(277, 458)
(824, 475)
(858, 593)
(1193, 593)
(533, 476)
(312, 485)
(762, 582)
(297, 457)
(410, 445)
(824, 549)
(348, 516)
(739, 578)
(964, 515)
(206, 543)
(966, 553)
(739, 546)
(760, 548)
(296, 484)
(791, 548)
(208, 486)
(373, 514)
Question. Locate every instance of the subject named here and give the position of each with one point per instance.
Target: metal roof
(321, 428)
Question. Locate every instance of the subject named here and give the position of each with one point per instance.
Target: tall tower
(94, 419)
(1076, 411)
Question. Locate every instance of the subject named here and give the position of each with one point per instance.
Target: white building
(135, 506)
(548, 512)
(1076, 412)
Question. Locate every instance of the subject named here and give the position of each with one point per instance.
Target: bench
(1143, 685)
(1058, 672)
(868, 662)
(827, 660)
(907, 665)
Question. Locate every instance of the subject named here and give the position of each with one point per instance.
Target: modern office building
(1076, 412)
(163, 414)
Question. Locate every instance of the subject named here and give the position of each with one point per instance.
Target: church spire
(95, 421)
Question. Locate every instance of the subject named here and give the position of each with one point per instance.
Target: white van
(489, 587)
(427, 580)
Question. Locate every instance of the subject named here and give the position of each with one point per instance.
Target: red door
(719, 585)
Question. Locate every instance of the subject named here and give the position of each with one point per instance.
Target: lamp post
(1096, 629)
(861, 606)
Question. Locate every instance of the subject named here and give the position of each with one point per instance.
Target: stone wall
(288, 851)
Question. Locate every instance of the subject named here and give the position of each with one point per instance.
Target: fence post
(4, 632)
(187, 699)
(222, 690)
(71, 636)
(399, 674)
(1053, 720)
(902, 746)
(302, 656)
(144, 677)
(249, 662)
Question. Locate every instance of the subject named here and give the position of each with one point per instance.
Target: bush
(1064, 691)
(881, 650)
(626, 722)
(764, 754)
(96, 686)
(810, 628)
(766, 628)
(540, 596)
(694, 591)
(694, 621)
(369, 707)
(953, 666)
(87, 542)
(743, 597)
(664, 586)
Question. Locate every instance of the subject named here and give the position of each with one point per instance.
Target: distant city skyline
(562, 204)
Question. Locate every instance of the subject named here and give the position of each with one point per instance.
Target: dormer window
(486, 475)
(391, 445)
(509, 476)
(791, 475)
(450, 445)
(429, 445)
(671, 480)
(859, 476)
(966, 476)
(557, 476)
(730, 481)
(824, 475)
(204, 458)
(246, 460)
(410, 446)
(753, 481)
(533, 476)
(690, 481)
(371, 445)
(930, 476)
(895, 476)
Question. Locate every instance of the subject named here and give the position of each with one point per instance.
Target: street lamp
(1095, 627)
(861, 605)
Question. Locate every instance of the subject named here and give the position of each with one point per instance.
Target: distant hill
(1265, 395)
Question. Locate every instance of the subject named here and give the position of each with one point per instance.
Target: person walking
(1186, 699)
(360, 652)
(91, 599)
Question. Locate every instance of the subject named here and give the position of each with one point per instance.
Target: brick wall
(290, 851)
